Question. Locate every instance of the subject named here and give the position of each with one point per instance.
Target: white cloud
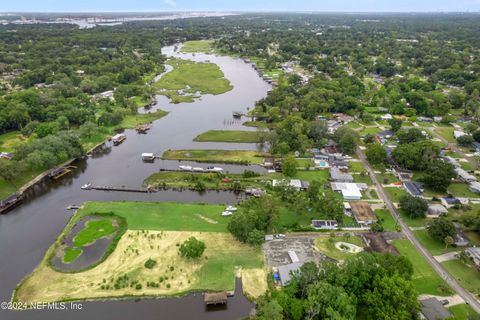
(172, 3)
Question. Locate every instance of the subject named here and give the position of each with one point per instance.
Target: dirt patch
(254, 282)
(276, 251)
(377, 243)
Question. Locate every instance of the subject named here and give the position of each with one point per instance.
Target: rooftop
(432, 309)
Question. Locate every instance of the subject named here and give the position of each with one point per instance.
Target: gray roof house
(464, 175)
(474, 254)
(436, 210)
(432, 309)
(339, 176)
(474, 186)
(285, 272)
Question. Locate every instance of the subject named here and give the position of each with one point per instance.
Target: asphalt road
(469, 299)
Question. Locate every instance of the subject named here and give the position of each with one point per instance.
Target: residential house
(452, 161)
(464, 175)
(325, 224)
(436, 210)
(476, 146)
(384, 136)
(386, 117)
(425, 119)
(449, 202)
(457, 134)
(414, 188)
(294, 183)
(460, 238)
(474, 186)
(474, 254)
(338, 176)
(432, 309)
(363, 213)
(6, 155)
(343, 118)
(437, 119)
(333, 125)
(338, 162)
(349, 191)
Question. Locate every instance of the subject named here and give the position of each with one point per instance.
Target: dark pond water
(27, 231)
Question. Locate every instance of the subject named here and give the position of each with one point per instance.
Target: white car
(232, 209)
(226, 213)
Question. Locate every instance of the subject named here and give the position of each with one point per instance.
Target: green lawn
(236, 136)
(446, 133)
(387, 178)
(71, 254)
(386, 219)
(326, 245)
(310, 175)
(197, 46)
(435, 247)
(216, 156)
(373, 130)
(356, 166)
(93, 230)
(363, 178)
(164, 215)
(10, 140)
(463, 312)
(466, 275)
(461, 190)
(395, 193)
(192, 77)
(425, 279)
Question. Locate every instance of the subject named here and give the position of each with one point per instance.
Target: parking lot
(276, 251)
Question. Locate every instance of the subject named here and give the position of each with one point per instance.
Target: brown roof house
(363, 213)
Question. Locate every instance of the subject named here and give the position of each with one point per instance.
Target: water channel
(28, 231)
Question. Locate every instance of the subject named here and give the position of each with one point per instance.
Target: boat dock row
(88, 186)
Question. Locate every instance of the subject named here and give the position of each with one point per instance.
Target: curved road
(469, 299)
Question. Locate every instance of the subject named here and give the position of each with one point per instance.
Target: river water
(27, 231)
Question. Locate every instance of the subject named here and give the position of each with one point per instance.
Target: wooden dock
(123, 189)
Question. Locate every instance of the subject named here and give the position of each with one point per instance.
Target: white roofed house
(457, 134)
(294, 183)
(387, 116)
(349, 191)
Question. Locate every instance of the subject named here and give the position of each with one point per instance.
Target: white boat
(198, 169)
(226, 213)
(148, 156)
(87, 186)
(231, 209)
(214, 169)
(73, 207)
(186, 168)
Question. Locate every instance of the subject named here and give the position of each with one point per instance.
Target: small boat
(10, 202)
(214, 169)
(197, 169)
(148, 157)
(73, 207)
(186, 168)
(231, 209)
(143, 128)
(227, 213)
(118, 139)
(87, 186)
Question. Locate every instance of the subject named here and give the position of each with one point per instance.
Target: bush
(149, 264)
(413, 206)
(191, 249)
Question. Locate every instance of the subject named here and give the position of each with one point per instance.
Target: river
(28, 231)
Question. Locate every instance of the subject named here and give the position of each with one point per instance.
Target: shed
(215, 298)
(432, 309)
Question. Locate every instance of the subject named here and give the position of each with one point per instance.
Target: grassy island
(188, 79)
(205, 46)
(153, 233)
(233, 136)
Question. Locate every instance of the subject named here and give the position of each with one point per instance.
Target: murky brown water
(27, 231)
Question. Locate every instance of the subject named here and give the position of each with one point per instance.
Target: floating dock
(122, 189)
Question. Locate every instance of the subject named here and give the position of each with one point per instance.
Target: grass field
(446, 133)
(356, 166)
(216, 156)
(461, 190)
(435, 247)
(466, 275)
(155, 231)
(93, 231)
(463, 312)
(425, 280)
(236, 136)
(71, 254)
(9, 141)
(189, 78)
(326, 245)
(197, 46)
(395, 193)
(386, 219)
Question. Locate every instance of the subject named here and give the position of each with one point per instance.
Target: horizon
(300, 6)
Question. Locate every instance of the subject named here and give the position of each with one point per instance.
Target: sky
(238, 5)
